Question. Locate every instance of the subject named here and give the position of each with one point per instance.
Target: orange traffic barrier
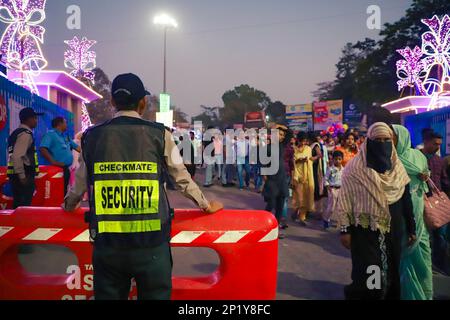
(246, 242)
(49, 188)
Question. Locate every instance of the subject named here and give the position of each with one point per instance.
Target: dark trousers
(66, 179)
(276, 203)
(22, 194)
(150, 267)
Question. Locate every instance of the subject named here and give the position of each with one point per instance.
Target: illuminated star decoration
(21, 41)
(411, 70)
(436, 48)
(80, 59)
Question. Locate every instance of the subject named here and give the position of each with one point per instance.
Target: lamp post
(167, 22)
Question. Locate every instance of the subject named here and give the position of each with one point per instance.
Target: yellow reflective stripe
(125, 167)
(129, 226)
(126, 197)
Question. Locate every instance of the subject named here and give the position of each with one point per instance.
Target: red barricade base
(246, 242)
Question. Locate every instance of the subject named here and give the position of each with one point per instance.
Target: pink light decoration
(80, 59)
(436, 48)
(85, 119)
(412, 69)
(21, 41)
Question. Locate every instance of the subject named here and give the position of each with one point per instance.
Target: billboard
(327, 113)
(352, 115)
(299, 117)
(255, 120)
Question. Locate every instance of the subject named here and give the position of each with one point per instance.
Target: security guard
(122, 166)
(23, 163)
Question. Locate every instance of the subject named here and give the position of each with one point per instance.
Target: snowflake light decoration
(22, 39)
(80, 59)
(411, 70)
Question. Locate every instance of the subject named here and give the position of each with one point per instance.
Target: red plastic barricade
(246, 241)
(49, 188)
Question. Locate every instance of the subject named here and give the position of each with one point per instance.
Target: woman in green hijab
(416, 266)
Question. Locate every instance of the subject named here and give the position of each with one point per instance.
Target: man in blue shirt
(56, 148)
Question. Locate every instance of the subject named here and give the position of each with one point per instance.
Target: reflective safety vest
(33, 168)
(128, 206)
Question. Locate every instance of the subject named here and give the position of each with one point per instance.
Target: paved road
(312, 263)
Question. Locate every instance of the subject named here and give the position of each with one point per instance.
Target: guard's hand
(411, 240)
(214, 206)
(346, 240)
(70, 209)
(424, 177)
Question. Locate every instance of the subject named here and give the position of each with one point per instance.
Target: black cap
(28, 113)
(128, 89)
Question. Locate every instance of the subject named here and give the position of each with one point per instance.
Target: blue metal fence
(436, 120)
(17, 98)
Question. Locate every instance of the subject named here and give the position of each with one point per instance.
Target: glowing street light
(167, 22)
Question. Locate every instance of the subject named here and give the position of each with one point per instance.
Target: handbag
(437, 208)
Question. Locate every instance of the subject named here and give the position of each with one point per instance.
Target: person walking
(23, 164)
(440, 240)
(56, 147)
(333, 183)
(276, 188)
(375, 213)
(209, 159)
(243, 160)
(303, 179)
(130, 218)
(416, 274)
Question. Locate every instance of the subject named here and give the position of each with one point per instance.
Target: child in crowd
(333, 185)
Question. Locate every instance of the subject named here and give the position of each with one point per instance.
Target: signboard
(255, 120)
(352, 115)
(448, 137)
(164, 102)
(327, 113)
(300, 117)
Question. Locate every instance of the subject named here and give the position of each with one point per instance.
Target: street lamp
(167, 22)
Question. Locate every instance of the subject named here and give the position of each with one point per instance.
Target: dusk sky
(282, 47)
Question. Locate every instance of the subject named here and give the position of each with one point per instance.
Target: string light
(22, 39)
(427, 69)
(80, 59)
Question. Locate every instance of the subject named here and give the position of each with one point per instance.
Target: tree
(152, 107)
(239, 101)
(208, 117)
(277, 112)
(101, 110)
(179, 116)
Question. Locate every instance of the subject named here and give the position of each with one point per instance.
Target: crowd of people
(369, 185)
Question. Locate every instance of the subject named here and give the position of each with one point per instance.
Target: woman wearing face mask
(416, 267)
(375, 210)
